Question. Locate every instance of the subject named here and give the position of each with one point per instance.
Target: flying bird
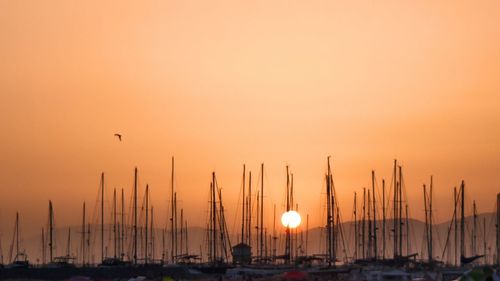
(119, 136)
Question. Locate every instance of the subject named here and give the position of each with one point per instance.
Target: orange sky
(222, 83)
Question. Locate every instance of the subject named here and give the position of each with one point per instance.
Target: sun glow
(290, 219)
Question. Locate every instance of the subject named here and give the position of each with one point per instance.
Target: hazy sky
(221, 83)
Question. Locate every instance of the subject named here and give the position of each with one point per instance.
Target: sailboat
(20, 260)
(219, 245)
(58, 261)
(115, 260)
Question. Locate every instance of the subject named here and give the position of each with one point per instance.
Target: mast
(395, 215)
(114, 225)
(474, 228)
(287, 240)
(335, 220)
(182, 231)
(400, 211)
(375, 250)
(163, 245)
(407, 224)
(152, 235)
(210, 226)
(172, 230)
(186, 231)
(356, 245)
(135, 216)
(462, 222)
(498, 229)
(363, 224)
(122, 239)
(88, 240)
(455, 200)
(102, 217)
(146, 226)
(51, 230)
(224, 237)
(214, 219)
(370, 236)
(431, 247)
(249, 231)
(261, 210)
(427, 226)
(68, 245)
(17, 235)
(257, 236)
(83, 236)
(243, 209)
(329, 214)
(383, 219)
(176, 230)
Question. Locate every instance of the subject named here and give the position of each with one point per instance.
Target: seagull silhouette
(119, 136)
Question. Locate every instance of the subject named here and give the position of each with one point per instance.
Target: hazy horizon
(221, 84)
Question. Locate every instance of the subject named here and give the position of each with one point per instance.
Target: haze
(221, 83)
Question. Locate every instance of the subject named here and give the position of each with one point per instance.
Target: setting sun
(290, 219)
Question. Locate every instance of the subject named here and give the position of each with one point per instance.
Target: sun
(290, 219)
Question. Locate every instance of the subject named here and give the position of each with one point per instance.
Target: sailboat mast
(135, 216)
(17, 234)
(427, 225)
(498, 230)
(181, 247)
(455, 200)
(370, 235)
(395, 215)
(329, 214)
(431, 247)
(462, 222)
(214, 219)
(375, 250)
(474, 228)
(88, 241)
(146, 226)
(83, 235)
(114, 224)
(407, 224)
(176, 252)
(363, 225)
(172, 234)
(356, 246)
(249, 230)
(152, 236)
(187, 244)
(102, 217)
(287, 239)
(257, 236)
(261, 210)
(68, 245)
(51, 230)
(122, 239)
(400, 211)
(335, 220)
(243, 208)
(383, 219)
